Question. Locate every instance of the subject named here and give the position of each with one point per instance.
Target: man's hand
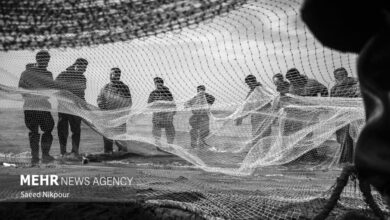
(238, 121)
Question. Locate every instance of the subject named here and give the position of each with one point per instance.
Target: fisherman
(200, 121)
(345, 87)
(74, 81)
(282, 86)
(304, 86)
(114, 95)
(37, 108)
(301, 85)
(258, 120)
(162, 119)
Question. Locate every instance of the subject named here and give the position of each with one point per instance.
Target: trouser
(43, 120)
(344, 138)
(200, 129)
(160, 121)
(64, 121)
(109, 143)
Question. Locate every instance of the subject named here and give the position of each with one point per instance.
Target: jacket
(114, 95)
(35, 78)
(347, 88)
(73, 82)
(200, 103)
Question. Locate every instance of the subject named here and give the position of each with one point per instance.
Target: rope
(341, 182)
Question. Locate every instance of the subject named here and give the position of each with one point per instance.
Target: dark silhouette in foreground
(327, 19)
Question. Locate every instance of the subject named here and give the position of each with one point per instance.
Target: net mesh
(246, 143)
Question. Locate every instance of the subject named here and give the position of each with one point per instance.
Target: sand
(163, 187)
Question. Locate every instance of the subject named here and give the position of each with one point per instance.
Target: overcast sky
(262, 38)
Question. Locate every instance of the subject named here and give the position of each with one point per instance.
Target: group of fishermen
(301, 85)
(36, 76)
(72, 80)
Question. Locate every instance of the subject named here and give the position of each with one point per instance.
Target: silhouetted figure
(304, 86)
(37, 77)
(301, 85)
(74, 81)
(336, 25)
(345, 87)
(200, 121)
(162, 119)
(257, 119)
(282, 86)
(114, 95)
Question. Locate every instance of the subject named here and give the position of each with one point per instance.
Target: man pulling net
(200, 121)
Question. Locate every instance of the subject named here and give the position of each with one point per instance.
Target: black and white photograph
(195, 109)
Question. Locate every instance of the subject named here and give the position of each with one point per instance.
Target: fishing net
(245, 152)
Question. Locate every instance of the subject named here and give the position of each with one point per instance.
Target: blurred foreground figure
(162, 119)
(37, 77)
(345, 87)
(339, 24)
(74, 81)
(114, 95)
(200, 121)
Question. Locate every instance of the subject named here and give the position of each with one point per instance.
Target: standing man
(257, 118)
(37, 77)
(114, 95)
(345, 87)
(297, 82)
(200, 121)
(301, 85)
(163, 119)
(74, 81)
